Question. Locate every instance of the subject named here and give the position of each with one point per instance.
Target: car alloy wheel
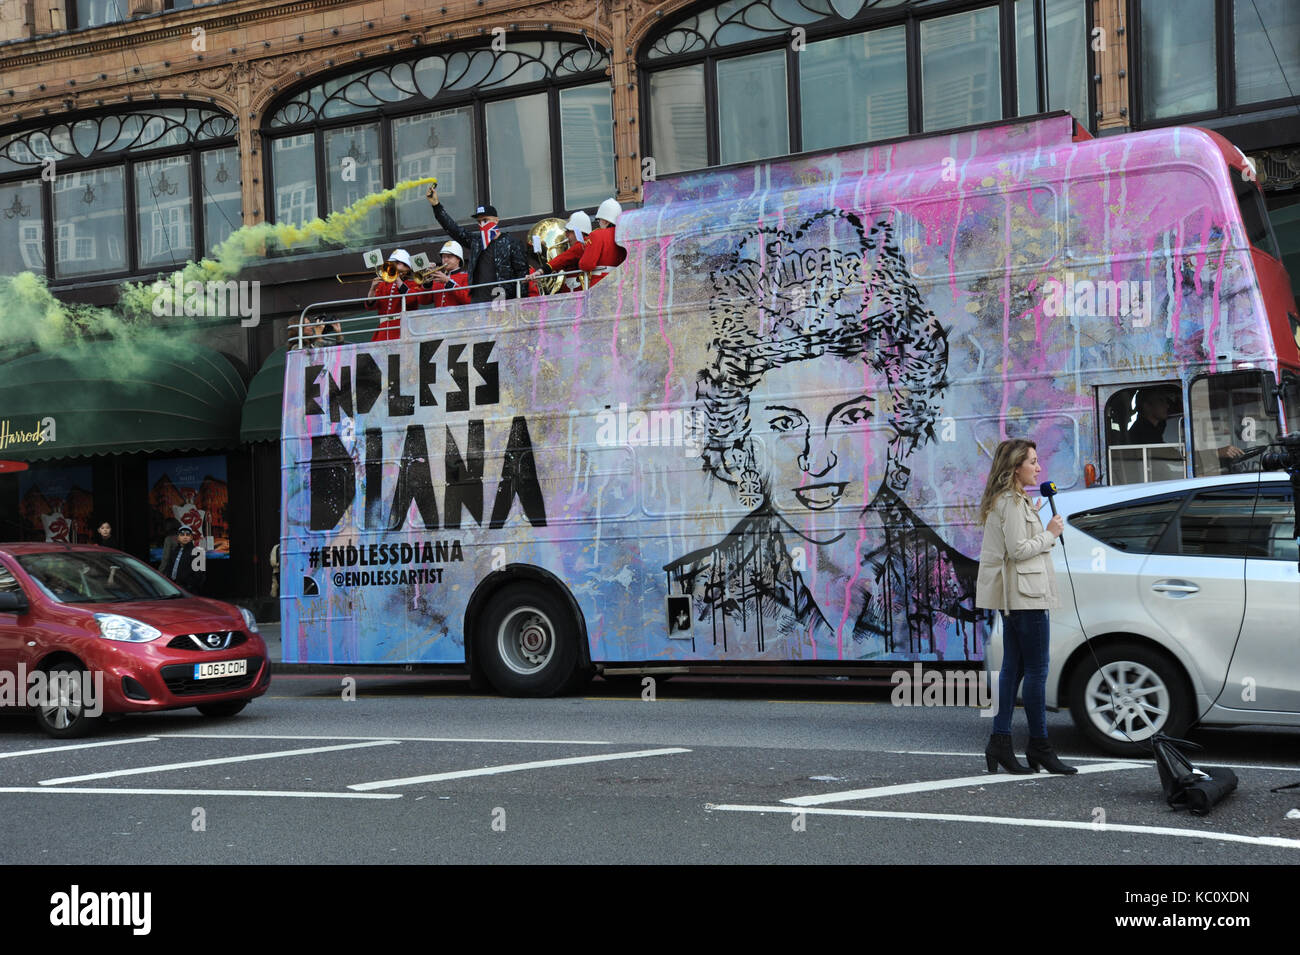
(1127, 695)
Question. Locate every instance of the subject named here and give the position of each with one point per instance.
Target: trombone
(386, 274)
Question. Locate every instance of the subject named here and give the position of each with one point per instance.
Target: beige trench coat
(1015, 559)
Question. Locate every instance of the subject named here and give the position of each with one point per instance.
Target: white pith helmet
(452, 247)
(400, 255)
(579, 224)
(609, 211)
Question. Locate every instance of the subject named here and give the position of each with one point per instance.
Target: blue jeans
(1024, 657)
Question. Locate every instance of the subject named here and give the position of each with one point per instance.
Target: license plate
(220, 668)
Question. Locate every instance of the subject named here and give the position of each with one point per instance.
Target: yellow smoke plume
(31, 315)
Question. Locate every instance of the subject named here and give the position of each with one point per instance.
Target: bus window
(1291, 401)
(1144, 434)
(1253, 214)
(1231, 414)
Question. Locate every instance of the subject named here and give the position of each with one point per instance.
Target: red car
(88, 632)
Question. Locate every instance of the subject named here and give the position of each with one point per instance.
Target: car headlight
(116, 627)
(249, 620)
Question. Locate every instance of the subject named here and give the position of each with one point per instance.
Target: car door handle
(1175, 587)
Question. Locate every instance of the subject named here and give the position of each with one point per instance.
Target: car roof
(16, 548)
(1083, 498)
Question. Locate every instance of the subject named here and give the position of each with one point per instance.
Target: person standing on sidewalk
(1016, 578)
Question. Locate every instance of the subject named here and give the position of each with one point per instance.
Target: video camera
(1282, 454)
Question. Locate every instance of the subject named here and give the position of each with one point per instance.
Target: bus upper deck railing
(320, 331)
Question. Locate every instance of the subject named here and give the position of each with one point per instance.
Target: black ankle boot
(1040, 753)
(999, 753)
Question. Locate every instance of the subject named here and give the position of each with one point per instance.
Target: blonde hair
(1007, 458)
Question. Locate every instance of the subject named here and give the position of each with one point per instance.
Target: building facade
(138, 134)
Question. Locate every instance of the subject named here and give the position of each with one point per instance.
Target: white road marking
(1036, 823)
(904, 789)
(197, 792)
(400, 739)
(140, 770)
(513, 768)
(1145, 761)
(60, 749)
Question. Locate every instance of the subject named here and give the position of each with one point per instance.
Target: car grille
(199, 641)
(179, 678)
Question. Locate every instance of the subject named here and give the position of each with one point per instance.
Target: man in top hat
(393, 298)
(505, 258)
(577, 228)
(449, 282)
(601, 253)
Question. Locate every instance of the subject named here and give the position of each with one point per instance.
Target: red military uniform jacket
(454, 292)
(388, 300)
(601, 253)
(567, 261)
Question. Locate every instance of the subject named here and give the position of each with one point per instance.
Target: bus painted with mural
(763, 438)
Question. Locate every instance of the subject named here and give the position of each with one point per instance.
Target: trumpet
(386, 274)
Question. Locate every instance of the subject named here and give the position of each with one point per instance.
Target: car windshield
(90, 577)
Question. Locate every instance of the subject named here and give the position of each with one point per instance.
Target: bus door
(1142, 432)
(1231, 414)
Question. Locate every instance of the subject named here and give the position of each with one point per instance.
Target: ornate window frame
(708, 32)
(454, 76)
(112, 139)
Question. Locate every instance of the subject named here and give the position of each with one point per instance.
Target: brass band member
(393, 297)
(577, 228)
(601, 253)
(449, 282)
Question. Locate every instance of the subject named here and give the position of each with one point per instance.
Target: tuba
(550, 235)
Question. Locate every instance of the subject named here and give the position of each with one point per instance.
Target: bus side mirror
(12, 602)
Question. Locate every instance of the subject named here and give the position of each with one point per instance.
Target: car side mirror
(13, 602)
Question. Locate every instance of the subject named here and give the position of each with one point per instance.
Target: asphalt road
(419, 769)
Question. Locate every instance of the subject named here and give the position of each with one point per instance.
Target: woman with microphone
(1017, 579)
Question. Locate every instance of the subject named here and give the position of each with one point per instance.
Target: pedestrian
(1016, 578)
(389, 295)
(103, 535)
(183, 569)
(491, 255)
(601, 252)
(170, 527)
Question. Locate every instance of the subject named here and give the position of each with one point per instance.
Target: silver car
(1189, 594)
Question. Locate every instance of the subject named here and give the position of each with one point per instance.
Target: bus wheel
(527, 642)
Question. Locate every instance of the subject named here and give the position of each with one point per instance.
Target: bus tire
(527, 641)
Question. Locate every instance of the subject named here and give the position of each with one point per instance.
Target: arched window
(126, 192)
(527, 128)
(751, 79)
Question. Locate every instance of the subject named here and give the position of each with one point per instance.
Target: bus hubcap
(525, 641)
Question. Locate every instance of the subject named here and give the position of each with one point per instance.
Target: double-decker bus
(763, 438)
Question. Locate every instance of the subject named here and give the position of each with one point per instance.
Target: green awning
(109, 399)
(261, 418)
